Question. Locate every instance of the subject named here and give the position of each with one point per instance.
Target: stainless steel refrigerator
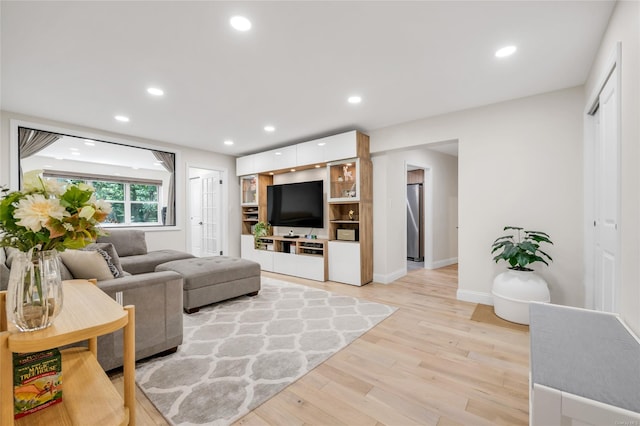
(415, 220)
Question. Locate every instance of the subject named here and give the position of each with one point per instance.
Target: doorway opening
(418, 230)
(205, 237)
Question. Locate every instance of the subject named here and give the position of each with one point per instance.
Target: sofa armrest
(157, 297)
(130, 282)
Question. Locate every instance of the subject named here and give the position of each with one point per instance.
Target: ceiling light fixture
(506, 51)
(269, 128)
(278, 153)
(240, 23)
(228, 142)
(90, 143)
(122, 118)
(354, 99)
(293, 170)
(155, 91)
(322, 143)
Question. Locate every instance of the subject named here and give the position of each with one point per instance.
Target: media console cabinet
(348, 192)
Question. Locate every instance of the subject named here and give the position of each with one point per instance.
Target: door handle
(199, 223)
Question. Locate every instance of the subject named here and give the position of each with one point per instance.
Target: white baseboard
(441, 263)
(475, 297)
(389, 278)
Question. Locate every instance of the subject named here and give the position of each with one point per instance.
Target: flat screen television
(296, 204)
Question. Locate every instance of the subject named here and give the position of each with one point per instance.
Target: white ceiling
(84, 62)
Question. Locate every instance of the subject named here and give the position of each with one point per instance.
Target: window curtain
(32, 141)
(168, 161)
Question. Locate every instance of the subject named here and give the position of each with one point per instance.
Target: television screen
(296, 204)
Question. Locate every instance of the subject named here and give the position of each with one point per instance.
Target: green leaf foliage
(520, 251)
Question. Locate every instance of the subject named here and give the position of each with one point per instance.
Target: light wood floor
(427, 364)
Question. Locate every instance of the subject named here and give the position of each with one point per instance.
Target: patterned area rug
(239, 353)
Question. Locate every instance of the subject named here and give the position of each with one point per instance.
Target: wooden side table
(88, 396)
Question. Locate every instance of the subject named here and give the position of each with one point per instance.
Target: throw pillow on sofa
(86, 264)
(114, 259)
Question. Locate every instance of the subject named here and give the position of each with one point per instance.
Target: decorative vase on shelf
(34, 293)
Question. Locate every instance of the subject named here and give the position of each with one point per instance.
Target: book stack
(37, 381)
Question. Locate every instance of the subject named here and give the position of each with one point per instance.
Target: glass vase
(34, 293)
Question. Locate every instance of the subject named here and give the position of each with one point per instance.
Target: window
(133, 203)
(117, 163)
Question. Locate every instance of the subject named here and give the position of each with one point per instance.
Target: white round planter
(513, 290)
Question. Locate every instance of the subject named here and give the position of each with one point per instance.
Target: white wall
(520, 163)
(157, 238)
(624, 27)
(390, 214)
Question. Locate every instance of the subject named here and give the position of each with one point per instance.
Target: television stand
(299, 257)
(291, 236)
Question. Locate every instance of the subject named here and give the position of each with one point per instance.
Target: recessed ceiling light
(278, 153)
(293, 170)
(271, 173)
(269, 128)
(354, 99)
(506, 51)
(89, 143)
(318, 166)
(122, 118)
(228, 142)
(74, 149)
(155, 91)
(322, 143)
(240, 23)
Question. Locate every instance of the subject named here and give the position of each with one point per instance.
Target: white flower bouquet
(46, 215)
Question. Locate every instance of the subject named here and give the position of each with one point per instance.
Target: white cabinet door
(247, 247)
(339, 147)
(310, 267)
(344, 262)
(275, 159)
(283, 158)
(245, 165)
(265, 259)
(310, 153)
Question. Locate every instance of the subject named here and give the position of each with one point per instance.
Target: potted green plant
(261, 229)
(515, 288)
(521, 251)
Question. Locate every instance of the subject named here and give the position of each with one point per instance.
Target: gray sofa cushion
(208, 271)
(127, 242)
(142, 264)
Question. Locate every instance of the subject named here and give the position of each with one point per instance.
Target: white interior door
(195, 215)
(211, 214)
(606, 200)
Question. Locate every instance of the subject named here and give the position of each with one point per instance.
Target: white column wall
(624, 27)
(520, 163)
(156, 239)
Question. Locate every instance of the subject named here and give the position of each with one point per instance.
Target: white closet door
(607, 200)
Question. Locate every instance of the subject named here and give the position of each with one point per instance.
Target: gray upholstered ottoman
(212, 279)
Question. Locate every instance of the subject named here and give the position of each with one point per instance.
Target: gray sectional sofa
(159, 283)
(157, 296)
